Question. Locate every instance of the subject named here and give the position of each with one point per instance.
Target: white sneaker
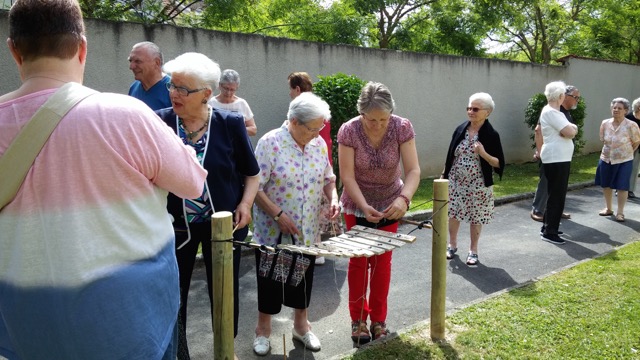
(309, 340)
(261, 345)
(319, 260)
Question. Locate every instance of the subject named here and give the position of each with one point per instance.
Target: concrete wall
(431, 90)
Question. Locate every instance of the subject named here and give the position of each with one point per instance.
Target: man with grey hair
(634, 115)
(150, 86)
(572, 96)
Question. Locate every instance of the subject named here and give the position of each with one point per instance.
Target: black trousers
(557, 184)
(186, 256)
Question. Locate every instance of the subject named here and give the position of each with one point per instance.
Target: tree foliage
(528, 30)
(535, 29)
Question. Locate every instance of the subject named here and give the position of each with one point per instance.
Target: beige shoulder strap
(21, 153)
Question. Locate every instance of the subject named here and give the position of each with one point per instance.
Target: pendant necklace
(192, 134)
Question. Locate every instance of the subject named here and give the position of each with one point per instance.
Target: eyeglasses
(182, 91)
(575, 97)
(312, 129)
(474, 109)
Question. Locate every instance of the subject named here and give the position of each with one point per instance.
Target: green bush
(532, 114)
(341, 92)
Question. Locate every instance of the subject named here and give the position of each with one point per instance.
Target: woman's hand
(396, 210)
(478, 148)
(372, 215)
(286, 225)
(335, 209)
(242, 215)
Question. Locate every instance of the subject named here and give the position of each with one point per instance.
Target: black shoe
(542, 231)
(631, 195)
(553, 238)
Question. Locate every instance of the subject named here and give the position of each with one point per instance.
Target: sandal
(605, 212)
(472, 259)
(359, 332)
(620, 217)
(451, 252)
(379, 330)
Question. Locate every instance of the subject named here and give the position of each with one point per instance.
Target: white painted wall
(431, 90)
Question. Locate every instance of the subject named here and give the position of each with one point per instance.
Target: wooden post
(222, 281)
(438, 258)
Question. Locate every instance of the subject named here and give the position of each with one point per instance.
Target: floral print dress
(469, 199)
(293, 179)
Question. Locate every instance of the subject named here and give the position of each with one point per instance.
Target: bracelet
(406, 200)
(277, 217)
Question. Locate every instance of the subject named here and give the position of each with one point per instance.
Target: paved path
(511, 253)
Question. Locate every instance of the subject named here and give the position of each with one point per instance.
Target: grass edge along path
(588, 310)
(519, 181)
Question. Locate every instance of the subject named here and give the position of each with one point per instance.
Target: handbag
(23, 150)
(284, 266)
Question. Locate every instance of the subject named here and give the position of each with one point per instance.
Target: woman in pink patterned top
(371, 147)
(621, 138)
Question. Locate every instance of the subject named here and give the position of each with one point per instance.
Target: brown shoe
(536, 216)
(565, 216)
(359, 332)
(378, 330)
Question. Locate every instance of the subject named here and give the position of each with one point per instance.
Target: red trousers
(373, 273)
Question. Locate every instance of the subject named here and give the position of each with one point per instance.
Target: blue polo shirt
(157, 97)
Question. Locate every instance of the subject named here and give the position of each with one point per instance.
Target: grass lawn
(558, 317)
(517, 179)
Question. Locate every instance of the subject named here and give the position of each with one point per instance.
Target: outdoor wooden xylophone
(360, 241)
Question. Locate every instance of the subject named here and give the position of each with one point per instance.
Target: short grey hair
(635, 107)
(197, 65)
(554, 90)
(484, 98)
(230, 76)
(375, 95)
(569, 89)
(152, 48)
(308, 107)
(624, 102)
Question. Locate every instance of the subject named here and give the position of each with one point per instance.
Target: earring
(204, 101)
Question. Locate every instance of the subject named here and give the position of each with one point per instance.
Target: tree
(535, 29)
(391, 15)
(609, 30)
(448, 28)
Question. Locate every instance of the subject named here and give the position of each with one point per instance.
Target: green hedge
(532, 114)
(341, 92)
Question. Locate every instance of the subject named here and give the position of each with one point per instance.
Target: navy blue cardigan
(228, 158)
(490, 139)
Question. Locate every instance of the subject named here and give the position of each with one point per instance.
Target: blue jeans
(172, 348)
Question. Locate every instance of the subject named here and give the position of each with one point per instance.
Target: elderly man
(540, 200)
(145, 61)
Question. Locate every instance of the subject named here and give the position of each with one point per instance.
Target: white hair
(554, 90)
(308, 107)
(484, 98)
(197, 65)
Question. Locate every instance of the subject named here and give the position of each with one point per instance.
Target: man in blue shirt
(145, 61)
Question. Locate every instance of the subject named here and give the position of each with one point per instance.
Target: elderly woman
(227, 99)
(224, 150)
(621, 138)
(634, 115)
(371, 148)
(475, 152)
(555, 154)
(294, 174)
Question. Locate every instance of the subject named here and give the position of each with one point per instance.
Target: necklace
(44, 77)
(192, 134)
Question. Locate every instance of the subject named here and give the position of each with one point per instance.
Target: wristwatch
(277, 217)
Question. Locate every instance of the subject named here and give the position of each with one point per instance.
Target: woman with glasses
(371, 148)
(224, 150)
(227, 99)
(294, 174)
(475, 152)
(621, 138)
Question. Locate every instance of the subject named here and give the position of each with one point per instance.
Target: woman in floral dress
(474, 153)
(294, 173)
